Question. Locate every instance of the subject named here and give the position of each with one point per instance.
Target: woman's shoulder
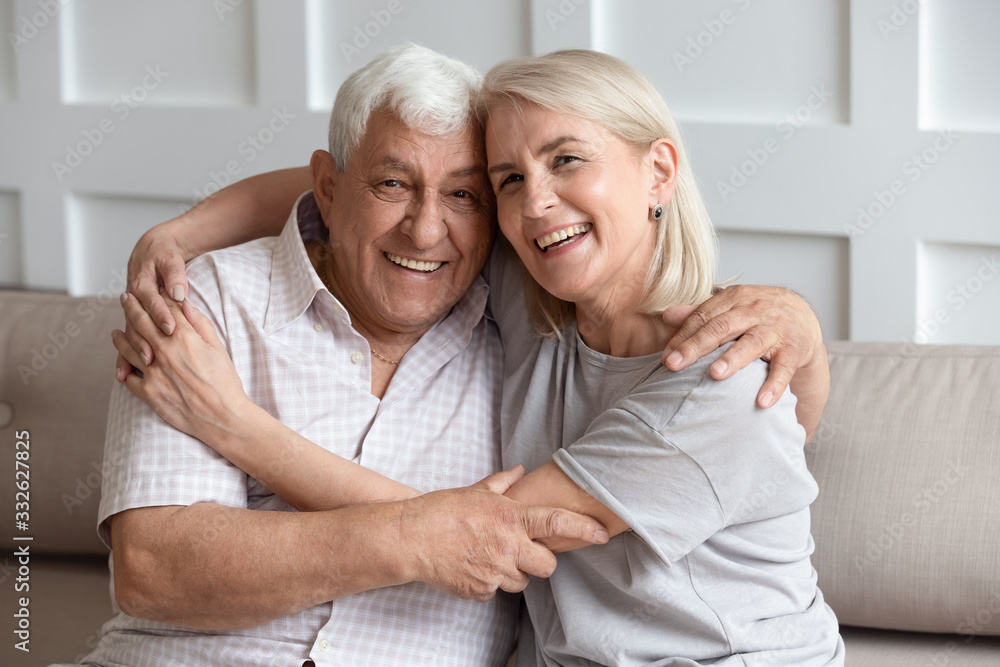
(694, 390)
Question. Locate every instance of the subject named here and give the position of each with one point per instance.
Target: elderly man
(373, 344)
(202, 574)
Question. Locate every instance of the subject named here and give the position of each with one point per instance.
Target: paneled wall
(847, 149)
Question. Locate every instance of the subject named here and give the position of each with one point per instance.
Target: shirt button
(318, 327)
(324, 645)
(357, 358)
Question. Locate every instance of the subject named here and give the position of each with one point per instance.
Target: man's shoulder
(253, 257)
(239, 270)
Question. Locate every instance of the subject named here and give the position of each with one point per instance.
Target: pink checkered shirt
(297, 354)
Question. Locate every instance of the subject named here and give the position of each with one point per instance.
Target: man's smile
(426, 267)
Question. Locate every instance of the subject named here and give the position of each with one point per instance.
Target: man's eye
(392, 183)
(462, 194)
(512, 178)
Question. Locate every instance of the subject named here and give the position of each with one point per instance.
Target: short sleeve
(149, 463)
(654, 487)
(677, 476)
(505, 275)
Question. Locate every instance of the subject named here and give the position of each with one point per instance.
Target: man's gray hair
(428, 91)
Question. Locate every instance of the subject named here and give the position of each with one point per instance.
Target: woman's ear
(324, 175)
(662, 158)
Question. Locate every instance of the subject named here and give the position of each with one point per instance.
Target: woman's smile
(562, 237)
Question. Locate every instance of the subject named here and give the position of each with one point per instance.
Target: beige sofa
(906, 525)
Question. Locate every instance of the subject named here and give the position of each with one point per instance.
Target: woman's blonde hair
(609, 92)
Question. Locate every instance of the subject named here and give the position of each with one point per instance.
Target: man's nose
(539, 197)
(424, 224)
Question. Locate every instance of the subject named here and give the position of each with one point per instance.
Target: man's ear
(325, 177)
(662, 159)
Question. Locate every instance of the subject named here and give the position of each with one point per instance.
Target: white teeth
(561, 235)
(426, 267)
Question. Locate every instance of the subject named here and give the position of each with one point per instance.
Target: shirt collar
(295, 283)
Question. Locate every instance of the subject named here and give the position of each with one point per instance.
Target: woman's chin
(561, 290)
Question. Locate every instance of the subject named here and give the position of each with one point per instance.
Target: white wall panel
(344, 35)
(10, 240)
(959, 294)
(102, 230)
(958, 41)
(8, 27)
(202, 50)
(790, 177)
(736, 60)
(817, 267)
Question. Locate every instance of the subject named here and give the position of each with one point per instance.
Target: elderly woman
(705, 495)
(707, 562)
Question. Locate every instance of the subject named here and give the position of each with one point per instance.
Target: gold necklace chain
(326, 281)
(385, 359)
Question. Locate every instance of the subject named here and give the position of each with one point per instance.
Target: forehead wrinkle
(559, 141)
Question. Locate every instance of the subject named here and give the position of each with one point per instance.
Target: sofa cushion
(907, 459)
(882, 648)
(56, 379)
(70, 600)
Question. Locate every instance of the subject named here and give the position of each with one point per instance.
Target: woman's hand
(157, 259)
(192, 384)
(770, 323)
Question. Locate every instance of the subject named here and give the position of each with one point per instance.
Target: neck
(615, 326)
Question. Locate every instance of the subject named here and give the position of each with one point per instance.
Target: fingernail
(166, 328)
(675, 358)
(118, 374)
(145, 358)
(767, 399)
(124, 297)
(602, 536)
(178, 293)
(719, 367)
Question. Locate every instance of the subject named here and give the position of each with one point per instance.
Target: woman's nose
(539, 197)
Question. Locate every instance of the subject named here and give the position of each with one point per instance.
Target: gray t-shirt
(715, 569)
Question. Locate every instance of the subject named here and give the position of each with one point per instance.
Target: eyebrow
(547, 148)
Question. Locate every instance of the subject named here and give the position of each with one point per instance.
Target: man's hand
(470, 542)
(770, 323)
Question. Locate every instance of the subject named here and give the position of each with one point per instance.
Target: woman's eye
(512, 178)
(566, 159)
